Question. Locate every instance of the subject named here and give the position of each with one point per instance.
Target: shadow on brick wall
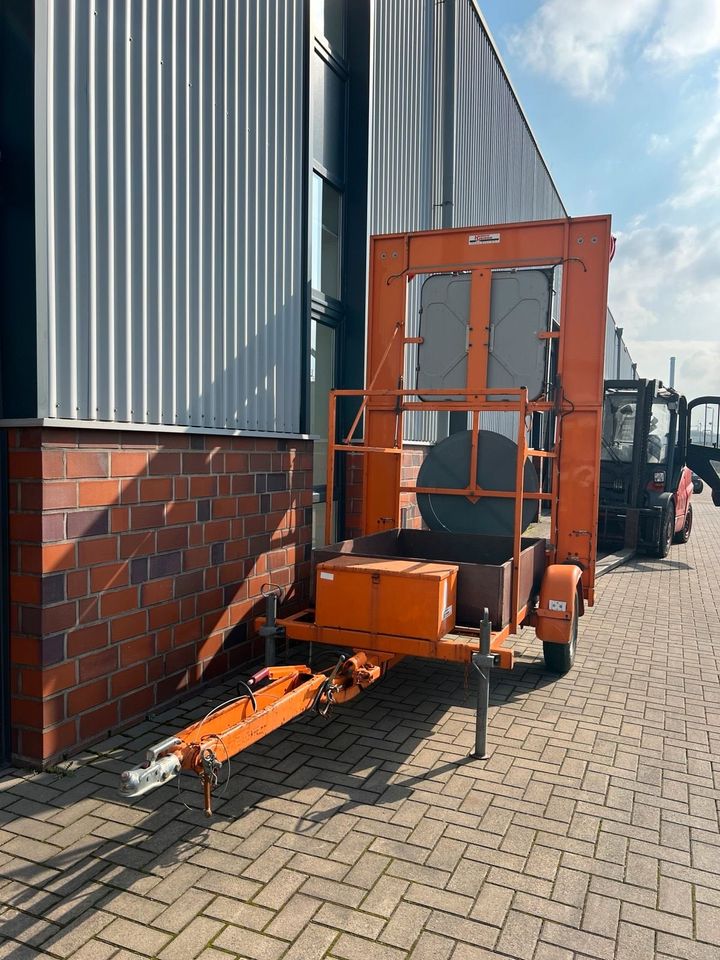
(136, 564)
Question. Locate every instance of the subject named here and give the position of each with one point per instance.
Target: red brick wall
(412, 458)
(136, 562)
(353, 495)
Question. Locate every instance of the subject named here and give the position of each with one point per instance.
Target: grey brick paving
(591, 833)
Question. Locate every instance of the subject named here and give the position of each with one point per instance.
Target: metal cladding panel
(499, 175)
(610, 349)
(438, 110)
(403, 145)
(618, 362)
(627, 367)
(401, 118)
(169, 185)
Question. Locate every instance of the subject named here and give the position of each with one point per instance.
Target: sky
(623, 97)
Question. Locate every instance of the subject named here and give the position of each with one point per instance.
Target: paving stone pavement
(590, 832)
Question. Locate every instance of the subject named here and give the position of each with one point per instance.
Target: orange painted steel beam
(204, 746)
(479, 329)
(456, 647)
(475, 492)
(520, 457)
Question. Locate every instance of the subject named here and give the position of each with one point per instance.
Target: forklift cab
(645, 487)
(703, 444)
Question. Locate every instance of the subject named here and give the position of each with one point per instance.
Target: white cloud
(701, 168)
(658, 143)
(664, 291)
(686, 31)
(581, 43)
(696, 371)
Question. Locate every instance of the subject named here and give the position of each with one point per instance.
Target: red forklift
(645, 484)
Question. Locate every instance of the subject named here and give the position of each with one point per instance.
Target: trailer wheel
(684, 534)
(667, 532)
(559, 657)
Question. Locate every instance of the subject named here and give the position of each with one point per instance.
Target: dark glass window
(326, 246)
(330, 24)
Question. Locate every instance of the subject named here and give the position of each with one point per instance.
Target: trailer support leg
(270, 630)
(483, 663)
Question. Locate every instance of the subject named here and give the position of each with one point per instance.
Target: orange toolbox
(402, 598)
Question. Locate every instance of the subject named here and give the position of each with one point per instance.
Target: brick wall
(353, 495)
(136, 562)
(412, 459)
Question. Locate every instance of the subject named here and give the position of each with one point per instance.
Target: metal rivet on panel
(593, 239)
(394, 254)
(383, 256)
(580, 239)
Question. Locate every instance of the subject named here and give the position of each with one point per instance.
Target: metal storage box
(400, 598)
(484, 565)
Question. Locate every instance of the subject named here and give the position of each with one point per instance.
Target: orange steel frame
(582, 247)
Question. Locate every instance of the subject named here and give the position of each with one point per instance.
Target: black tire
(559, 657)
(667, 532)
(684, 534)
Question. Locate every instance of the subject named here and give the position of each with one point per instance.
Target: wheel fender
(560, 591)
(667, 502)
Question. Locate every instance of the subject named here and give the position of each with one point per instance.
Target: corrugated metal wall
(170, 177)
(403, 140)
(628, 371)
(401, 115)
(499, 174)
(424, 96)
(618, 362)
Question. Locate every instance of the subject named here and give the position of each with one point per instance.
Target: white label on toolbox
(557, 605)
(326, 576)
(445, 597)
(476, 238)
(447, 611)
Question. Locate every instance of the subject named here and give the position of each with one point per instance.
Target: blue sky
(624, 99)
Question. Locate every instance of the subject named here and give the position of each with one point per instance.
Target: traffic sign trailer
(551, 598)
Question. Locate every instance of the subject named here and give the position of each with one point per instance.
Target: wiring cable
(226, 703)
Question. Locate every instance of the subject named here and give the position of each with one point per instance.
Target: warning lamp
(658, 481)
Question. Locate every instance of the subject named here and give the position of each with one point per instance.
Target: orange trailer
(552, 601)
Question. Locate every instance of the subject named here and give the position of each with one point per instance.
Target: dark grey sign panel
(520, 303)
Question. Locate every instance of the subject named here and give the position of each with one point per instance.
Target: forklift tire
(684, 534)
(559, 657)
(667, 532)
